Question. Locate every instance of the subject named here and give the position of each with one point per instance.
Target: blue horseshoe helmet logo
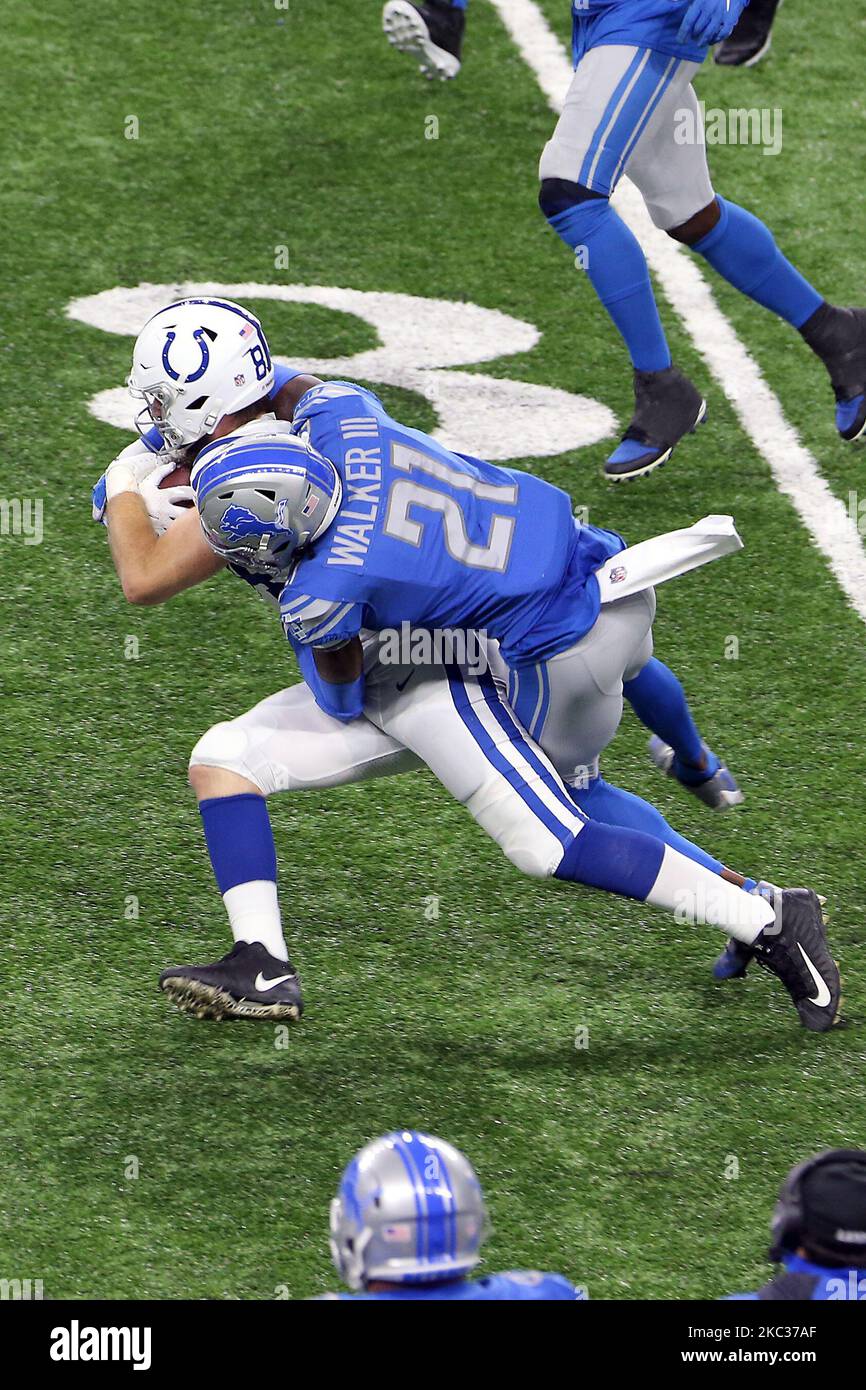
(199, 336)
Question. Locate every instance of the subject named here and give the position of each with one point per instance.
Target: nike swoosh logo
(401, 685)
(822, 998)
(263, 985)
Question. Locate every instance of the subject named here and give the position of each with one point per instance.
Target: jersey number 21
(406, 491)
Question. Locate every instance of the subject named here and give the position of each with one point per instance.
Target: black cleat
(795, 949)
(751, 38)
(735, 959)
(667, 407)
(838, 337)
(431, 32)
(247, 983)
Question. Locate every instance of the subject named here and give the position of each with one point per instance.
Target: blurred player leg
(576, 703)
(674, 180)
(430, 31)
(467, 734)
(752, 37)
(581, 706)
(676, 747)
(611, 107)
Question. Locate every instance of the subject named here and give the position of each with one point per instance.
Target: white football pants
(459, 725)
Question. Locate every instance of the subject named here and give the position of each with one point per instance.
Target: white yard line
(794, 469)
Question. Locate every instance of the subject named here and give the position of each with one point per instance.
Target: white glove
(164, 505)
(130, 468)
(139, 469)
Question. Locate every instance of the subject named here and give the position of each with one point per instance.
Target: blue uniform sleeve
(530, 1285)
(344, 702)
(318, 622)
(337, 399)
(282, 375)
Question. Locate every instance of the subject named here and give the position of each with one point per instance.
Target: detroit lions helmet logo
(238, 522)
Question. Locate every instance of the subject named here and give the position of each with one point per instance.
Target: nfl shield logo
(617, 574)
(240, 379)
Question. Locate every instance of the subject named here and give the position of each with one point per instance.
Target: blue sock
(239, 839)
(743, 250)
(603, 802)
(617, 267)
(616, 860)
(659, 701)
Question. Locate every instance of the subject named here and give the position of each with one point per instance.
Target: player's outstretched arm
(154, 568)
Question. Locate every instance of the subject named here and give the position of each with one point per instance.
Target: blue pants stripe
(563, 832)
(585, 177)
(603, 164)
(509, 724)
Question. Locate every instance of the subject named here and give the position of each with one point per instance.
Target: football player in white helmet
(286, 742)
(193, 363)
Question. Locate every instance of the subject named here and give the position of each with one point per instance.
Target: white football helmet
(194, 362)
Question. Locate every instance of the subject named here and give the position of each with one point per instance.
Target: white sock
(697, 896)
(254, 915)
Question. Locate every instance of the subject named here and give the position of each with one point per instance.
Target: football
(178, 477)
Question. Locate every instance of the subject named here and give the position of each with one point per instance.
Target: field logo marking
(421, 343)
(794, 469)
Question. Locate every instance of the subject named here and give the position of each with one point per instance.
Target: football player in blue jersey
(408, 1223)
(276, 493)
(430, 32)
(819, 1232)
(634, 61)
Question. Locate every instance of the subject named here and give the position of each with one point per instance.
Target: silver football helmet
(263, 494)
(409, 1210)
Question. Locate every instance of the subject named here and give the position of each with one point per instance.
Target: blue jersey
(636, 23)
(438, 540)
(802, 1280)
(518, 1286)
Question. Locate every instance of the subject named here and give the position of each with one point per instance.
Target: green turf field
(260, 127)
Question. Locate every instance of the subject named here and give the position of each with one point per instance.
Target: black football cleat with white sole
(794, 948)
(247, 983)
(667, 408)
(751, 39)
(838, 337)
(431, 32)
